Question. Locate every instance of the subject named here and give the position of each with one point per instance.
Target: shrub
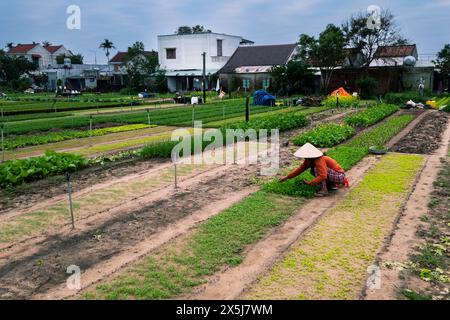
(368, 87)
(326, 136)
(16, 172)
(403, 97)
(344, 102)
(371, 116)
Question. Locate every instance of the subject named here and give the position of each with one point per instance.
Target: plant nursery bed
(331, 260)
(425, 138)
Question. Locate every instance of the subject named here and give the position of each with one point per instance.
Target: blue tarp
(263, 98)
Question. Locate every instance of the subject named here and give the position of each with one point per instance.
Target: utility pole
(204, 77)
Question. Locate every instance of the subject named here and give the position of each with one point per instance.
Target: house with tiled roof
(43, 56)
(250, 66)
(118, 62)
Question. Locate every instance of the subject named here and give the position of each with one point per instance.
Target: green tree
(13, 68)
(443, 63)
(367, 40)
(46, 44)
(140, 65)
(107, 45)
(191, 30)
(74, 59)
(9, 45)
(183, 30)
(294, 77)
(326, 52)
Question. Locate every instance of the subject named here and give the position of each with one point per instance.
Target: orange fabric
(340, 92)
(321, 165)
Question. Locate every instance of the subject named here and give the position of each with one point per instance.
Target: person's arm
(322, 173)
(305, 165)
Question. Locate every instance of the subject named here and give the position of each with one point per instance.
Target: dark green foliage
(401, 98)
(371, 116)
(326, 136)
(16, 172)
(368, 87)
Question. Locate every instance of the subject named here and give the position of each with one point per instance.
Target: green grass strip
(332, 259)
(219, 242)
(51, 137)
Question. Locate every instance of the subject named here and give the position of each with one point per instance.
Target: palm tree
(46, 44)
(10, 45)
(107, 45)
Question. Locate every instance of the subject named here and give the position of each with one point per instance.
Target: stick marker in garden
(69, 191)
(3, 143)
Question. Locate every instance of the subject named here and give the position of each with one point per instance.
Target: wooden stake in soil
(247, 109)
(148, 116)
(3, 142)
(69, 192)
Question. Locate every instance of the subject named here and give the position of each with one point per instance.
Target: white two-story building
(181, 57)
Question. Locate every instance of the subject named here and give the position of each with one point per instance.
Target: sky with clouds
(263, 21)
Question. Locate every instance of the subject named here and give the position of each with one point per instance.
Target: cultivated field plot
(225, 232)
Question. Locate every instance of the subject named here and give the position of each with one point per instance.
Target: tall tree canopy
(107, 46)
(326, 52)
(443, 62)
(294, 77)
(359, 34)
(140, 66)
(191, 30)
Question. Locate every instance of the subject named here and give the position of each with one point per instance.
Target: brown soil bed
(27, 195)
(30, 270)
(426, 137)
(38, 270)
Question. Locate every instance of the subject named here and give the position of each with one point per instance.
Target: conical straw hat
(308, 151)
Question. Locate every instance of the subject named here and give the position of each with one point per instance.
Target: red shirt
(321, 165)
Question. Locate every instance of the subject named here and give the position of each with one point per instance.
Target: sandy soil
(112, 240)
(405, 238)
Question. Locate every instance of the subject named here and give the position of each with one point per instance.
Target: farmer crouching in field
(329, 174)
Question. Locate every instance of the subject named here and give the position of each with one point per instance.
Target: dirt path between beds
(405, 238)
(232, 282)
(29, 195)
(116, 238)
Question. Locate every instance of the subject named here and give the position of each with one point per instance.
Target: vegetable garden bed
(331, 260)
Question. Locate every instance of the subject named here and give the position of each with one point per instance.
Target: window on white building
(219, 47)
(171, 53)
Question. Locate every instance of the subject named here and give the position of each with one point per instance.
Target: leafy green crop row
(23, 141)
(326, 136)
(346, 155)
(371, 116)
(16, 172)
(177, 116)
(283, 122)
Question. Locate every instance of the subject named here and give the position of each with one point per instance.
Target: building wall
(389, 78)
(235, 80)
(189, 49)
